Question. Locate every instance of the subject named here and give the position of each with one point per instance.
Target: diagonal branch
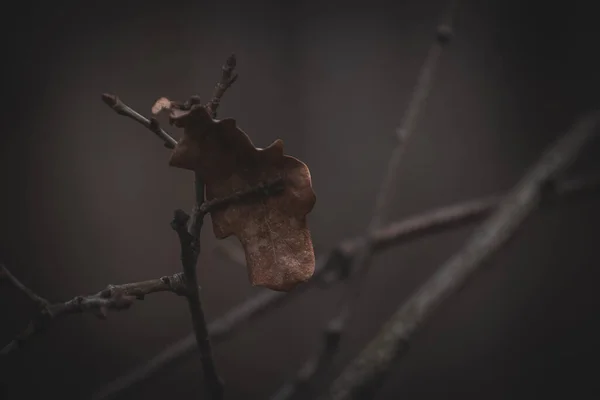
(152, 124)
(188, 229)
(312, 373)
(335, 266)
(113, 297)
(365, 372)
(228, 77)
(230, 252)
(5, 274)
(118, 297)
(457, 215)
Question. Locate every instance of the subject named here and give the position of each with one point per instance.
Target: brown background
(87, 195)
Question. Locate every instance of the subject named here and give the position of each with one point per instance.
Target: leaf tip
(161, 104)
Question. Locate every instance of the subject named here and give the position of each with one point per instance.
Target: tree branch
(189, 228)
(188, 231)
(335, 266)
(5, 275)
(228, 77)
(365, 373)
(457, 215)
(152, 124)
(113, 297)
(311, 374)
(119, 297)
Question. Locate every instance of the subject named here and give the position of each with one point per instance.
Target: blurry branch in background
(334, 267)
(151, 123)
(114, 297)
(231, 252)
(228, 77)
(312, 374)
(329, 269)
(363, 376)
(349, 260)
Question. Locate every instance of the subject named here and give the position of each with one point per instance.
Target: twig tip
(110, 99)
(232, 60)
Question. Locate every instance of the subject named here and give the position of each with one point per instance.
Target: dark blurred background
(87, 195)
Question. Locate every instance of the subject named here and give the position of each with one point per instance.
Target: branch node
(180, 221)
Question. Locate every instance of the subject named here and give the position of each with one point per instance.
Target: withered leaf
(161, 104)
(271, 228)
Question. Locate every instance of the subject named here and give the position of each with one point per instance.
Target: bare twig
(189, 238)
(331, 268)
(113, 297)
(189, 228)
(312, 373)
(227, 78)
(365, 373)
(190, 246)
(152, 124)
(5, 274)
(460, 214)
(261, 190)
(119, 297)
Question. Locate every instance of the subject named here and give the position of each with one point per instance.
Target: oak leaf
(271, 228)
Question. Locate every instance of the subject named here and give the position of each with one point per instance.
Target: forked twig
(188, 228)
(350, 259)
(119, 297)
(113, 297)
(362, 377)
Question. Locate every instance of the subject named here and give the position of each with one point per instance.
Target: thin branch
(460, 214)
(365, 373)
(219, 330)
(189, 228)
(152, 124)
(5, 274)
(312, 373)
(261, 190)
(228, 77)
(330, 268)
(113, 297)
(119, 295)
(190, 250)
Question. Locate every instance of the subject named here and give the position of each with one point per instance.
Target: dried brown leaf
(272, 229)
(161, 104)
